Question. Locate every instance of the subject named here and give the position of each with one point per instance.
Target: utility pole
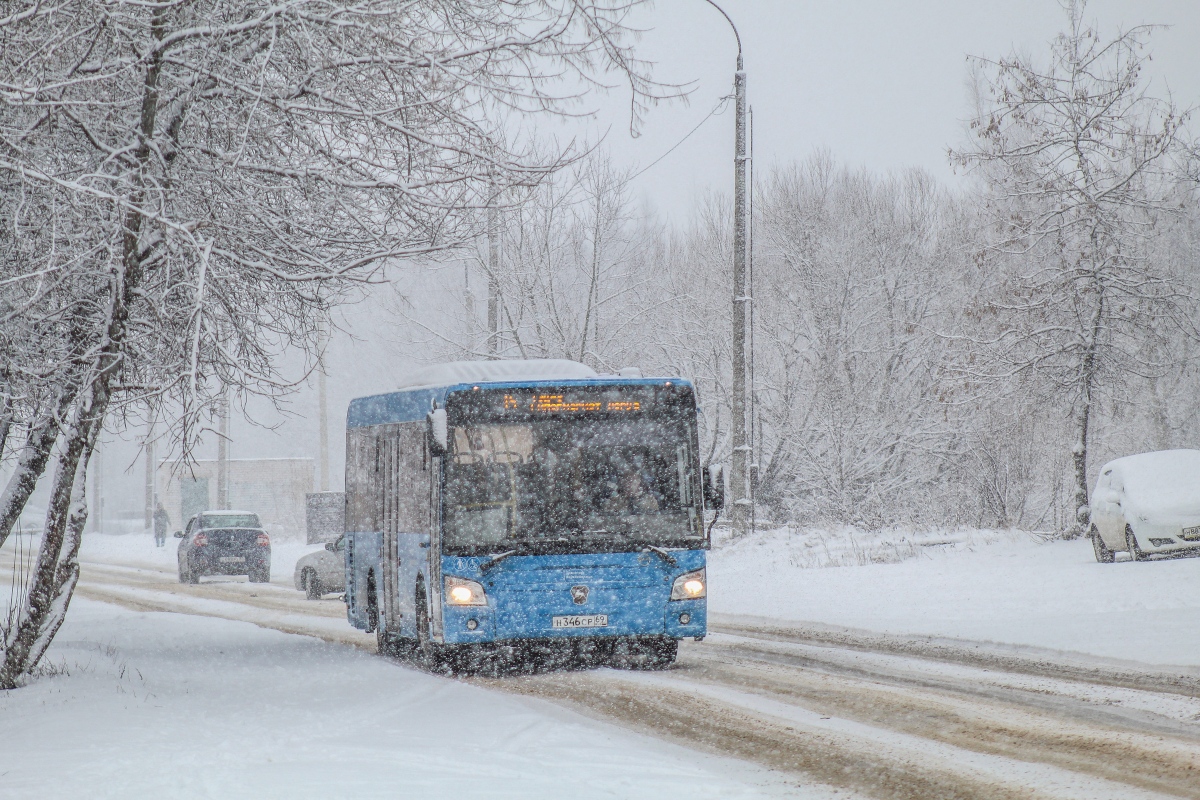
(148, 449)
(742, 507)
(223, 451)
(468, 296)
(738, 472)
(493, 304)
(323, 414)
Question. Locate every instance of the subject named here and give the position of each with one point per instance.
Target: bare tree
(1080, 161)
(203, 180)
(853, 271)
(574, 275)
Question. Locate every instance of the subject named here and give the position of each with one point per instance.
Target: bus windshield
(570, 485)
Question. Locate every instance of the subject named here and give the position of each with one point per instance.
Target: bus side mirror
(178, 534)
(714, 487)
(439, 437)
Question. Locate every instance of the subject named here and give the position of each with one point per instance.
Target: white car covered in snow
(1148, 504)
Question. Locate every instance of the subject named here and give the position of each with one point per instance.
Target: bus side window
(412, 486)
(360, 496)
(683, 471)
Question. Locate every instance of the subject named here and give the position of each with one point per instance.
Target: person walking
(161, 521)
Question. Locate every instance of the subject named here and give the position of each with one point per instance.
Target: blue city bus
(507, 510)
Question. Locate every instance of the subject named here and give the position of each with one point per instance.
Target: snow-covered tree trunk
(35, 454)
(56, 569)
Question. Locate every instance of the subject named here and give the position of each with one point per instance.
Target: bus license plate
(233, 559)
(581, 621)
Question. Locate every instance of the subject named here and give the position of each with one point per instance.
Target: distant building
(273, 488)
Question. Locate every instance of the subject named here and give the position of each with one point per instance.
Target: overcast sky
(880, 83)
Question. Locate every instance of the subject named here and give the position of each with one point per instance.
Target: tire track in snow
(1169, 680)
(731, 730)
(1021, 732)
(727, 724)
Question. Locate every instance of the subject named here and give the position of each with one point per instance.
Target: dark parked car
(224, 543)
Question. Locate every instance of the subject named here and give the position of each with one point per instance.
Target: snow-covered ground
(1006, 587)
(155, 705)
(182, 705)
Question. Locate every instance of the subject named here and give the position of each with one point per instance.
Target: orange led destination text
(552, 403)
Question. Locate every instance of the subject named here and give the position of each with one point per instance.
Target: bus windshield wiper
(518, 549)
(496, 559)
(658, 551)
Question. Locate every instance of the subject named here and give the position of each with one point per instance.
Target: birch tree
(1081, 165)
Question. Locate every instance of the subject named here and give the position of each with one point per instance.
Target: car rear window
(229, 521)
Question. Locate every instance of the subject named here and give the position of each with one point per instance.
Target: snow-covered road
(761, 708)
(174, 705)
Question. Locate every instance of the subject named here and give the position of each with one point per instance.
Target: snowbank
(1004, 587)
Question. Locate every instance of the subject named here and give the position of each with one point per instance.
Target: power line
(720, 106)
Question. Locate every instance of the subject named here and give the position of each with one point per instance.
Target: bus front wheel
(649, 653)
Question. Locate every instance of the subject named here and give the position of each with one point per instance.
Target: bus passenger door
(435, 549)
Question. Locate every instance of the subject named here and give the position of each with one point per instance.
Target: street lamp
(741, 509)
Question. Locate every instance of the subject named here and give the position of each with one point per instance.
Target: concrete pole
(324, 425)
(223, 452)
(468, 296)
(493, 303)
(148, 449)
(740, 510)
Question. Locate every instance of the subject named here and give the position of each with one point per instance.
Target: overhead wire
(719, 107)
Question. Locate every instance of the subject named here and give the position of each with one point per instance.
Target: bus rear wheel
(385, 643)
(312, 585)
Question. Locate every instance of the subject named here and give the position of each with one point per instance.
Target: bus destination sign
(540, 403)
(513, 402)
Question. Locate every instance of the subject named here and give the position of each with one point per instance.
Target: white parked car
(323, 571)
(1147, 504)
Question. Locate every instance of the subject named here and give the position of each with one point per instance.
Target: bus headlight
(462, 592)
(690, 586)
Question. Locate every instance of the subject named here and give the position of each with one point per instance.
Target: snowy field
(1004, 587)
(154, 705)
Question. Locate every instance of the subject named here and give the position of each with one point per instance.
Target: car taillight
(264, 540)
(200, 540)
